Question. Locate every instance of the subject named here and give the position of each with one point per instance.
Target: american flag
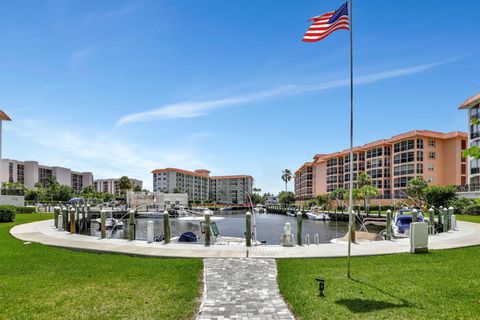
(327, 23)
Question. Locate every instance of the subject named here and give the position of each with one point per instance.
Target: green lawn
(475, 219)
(442, 284)
(41, 282)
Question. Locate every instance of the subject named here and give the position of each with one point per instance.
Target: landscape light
(321, 286)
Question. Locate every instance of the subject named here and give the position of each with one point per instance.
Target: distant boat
(318, 216)
(259, 209)
(291, 213)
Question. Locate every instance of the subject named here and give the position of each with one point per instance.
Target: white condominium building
(111, 185)
(231, 189)
(173, 180)
(200, 186)
(31, 172)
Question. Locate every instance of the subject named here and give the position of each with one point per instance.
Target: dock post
(166, 226)
(207, 230)
(72, 220)
(65, 219)
(414, 215)
(103, 227)
(307, 239)
(89, 216)
(60, 222)
(431, 219)
(388, 236)
(56, 212)
(83, 220)
(299, 228)
(248, 230)
(450, 214)
(445, 219)
(150, 228)
(131, 225)
(77, 217)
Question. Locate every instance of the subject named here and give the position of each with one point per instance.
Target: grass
(41, 282)
(443, 284)
(475, 219)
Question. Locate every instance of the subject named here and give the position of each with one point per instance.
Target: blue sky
(124, 87)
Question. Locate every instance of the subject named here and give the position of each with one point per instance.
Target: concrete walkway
(242, 288)
(467, 234)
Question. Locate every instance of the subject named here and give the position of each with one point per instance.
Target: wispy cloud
(106, 154)
(200, 108)
(79, 56)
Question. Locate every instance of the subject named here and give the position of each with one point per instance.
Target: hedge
(21, 210)
(472, 210)
(7, 213)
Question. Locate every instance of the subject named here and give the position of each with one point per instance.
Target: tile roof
(3, 116)
(396, 138)
(470, 101)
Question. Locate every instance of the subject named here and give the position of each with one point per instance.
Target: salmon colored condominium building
(391, 163)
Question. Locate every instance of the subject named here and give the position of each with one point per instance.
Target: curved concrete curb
(468, 234)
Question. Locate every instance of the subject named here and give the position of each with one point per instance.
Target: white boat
(181, 211)
(259, 209)
(401, 222)
(291, 213)
(318, 216)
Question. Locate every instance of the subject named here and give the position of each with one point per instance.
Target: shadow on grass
(364, 305)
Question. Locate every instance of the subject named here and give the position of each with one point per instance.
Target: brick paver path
(242, 288)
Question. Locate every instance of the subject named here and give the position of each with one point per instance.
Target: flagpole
(350, 202)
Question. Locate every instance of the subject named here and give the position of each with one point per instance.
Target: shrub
(472, 210)
(459, 204)
(7, 213)
(21, 210)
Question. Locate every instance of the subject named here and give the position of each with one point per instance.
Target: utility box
(453, 222)
(418, 237)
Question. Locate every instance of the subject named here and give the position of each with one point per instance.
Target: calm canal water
(269, 227)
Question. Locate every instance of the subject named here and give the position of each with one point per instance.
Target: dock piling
(103, 227)
(248, 232)
(388, 236)
(131, 225)
(299, 228)
(166, 226)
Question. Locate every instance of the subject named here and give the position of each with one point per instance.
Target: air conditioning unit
(418, 237)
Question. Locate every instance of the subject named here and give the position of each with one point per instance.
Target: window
(332, 162)
(403, 146)
(376, 173)
(464, 169)
(419, 143)
(10, 172)
(431, 143)
(404, 157)
(419, 168)
(375, 152)
(403, 170)
(401, 182)
(431, 179)
(464, 144)
(419, 155)
(431, 155)
(431, 167)
(21, 173)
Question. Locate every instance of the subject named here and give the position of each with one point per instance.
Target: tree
(124, 184)
(364, 179)
(365, 188)
(137, 188)
(322, 200)
(338, 194)
(416, 190)
(439, 195)
(311, 203)
(286, 198)
(367, 192)
(63, 193)
(257, 190)
(13, 188)
(286, 177)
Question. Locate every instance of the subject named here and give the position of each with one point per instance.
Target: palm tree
(286, 177)
(124, 184)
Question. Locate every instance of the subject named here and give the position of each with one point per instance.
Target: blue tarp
(188, 237)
